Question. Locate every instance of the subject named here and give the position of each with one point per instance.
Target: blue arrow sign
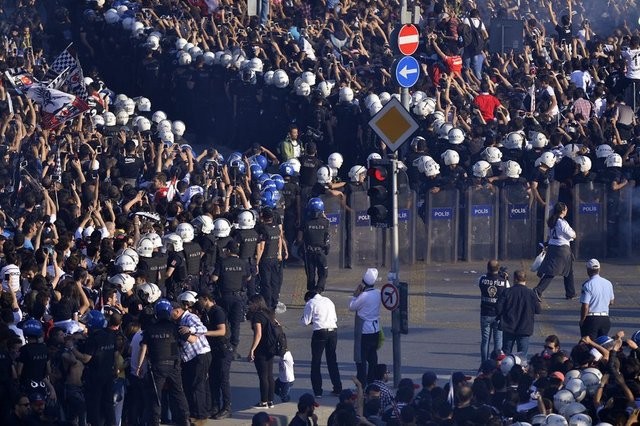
(407, 71)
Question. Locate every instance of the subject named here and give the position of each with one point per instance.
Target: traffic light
(380, 193)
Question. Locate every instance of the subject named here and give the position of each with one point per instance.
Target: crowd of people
(133, 246)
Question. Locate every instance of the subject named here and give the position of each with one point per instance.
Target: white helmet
(614, 160)
(203, 223)
(122, 117)
(226, 59)
(122, 9)
(555, 420)
(370, 100)
(562, 398)
(324, 175)
(209, 58)
(509, 362)
(375, 108)
(431, 168)
(173, 241)
(324, 88)
(309, 78)
(417, 97)
(584, 162)
(109, 118)
(153, 42)
(181, 43)
(111, 16)
(355, 172)
(303, 89)
(131, 252)
(571, 150)
(547, 158)
(580, 419)
(158, 116)
(246, 219)
(538, 419)
(572, 408)
(178, 128)
(221, 228)
(184, 58)
(421, 162)
(188, 297)
(98, 120)
(443, 130)
(11, 278)
(186, 232)
(335, 160)
(481, 169)
(143, 124)
(438, 116)
(577, 388)
(295, 163)
(127, 23)
(373, 156)
(144, 104)
(450, 157)
(512, 169)
(195, 52)
(591, 381)
(280, 79)
(155, 239)
(514, 140)
(603, 151)
(137, 28)
(88, 81)
(164, 125)
(268, 78)
(166, 136)
(123, 281)
(148, 292)
(423, 108)
(455, 136)
(129, 106)
(572, 374)
(126, 263)
(145, 247)
(538, 139)
(345, 94)
(384, 97)
(492, 154)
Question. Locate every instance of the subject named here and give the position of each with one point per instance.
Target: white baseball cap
(370, 276)
(593, 264)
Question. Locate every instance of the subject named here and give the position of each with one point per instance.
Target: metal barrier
(442, 226)
(517, 223)
(364, 243)
(482, 224)
(334, 211)
(589, 220)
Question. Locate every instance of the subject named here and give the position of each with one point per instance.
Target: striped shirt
(189, 351)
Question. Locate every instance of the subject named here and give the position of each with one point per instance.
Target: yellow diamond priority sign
(393, 124)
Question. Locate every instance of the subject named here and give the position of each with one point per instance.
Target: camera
(503, 272)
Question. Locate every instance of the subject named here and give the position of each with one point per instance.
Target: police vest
(248, 239)
(315, 232)
(232, 273)
(156, 268)
(162, 344)
(271, 238)
(491, 287)
(193, 254)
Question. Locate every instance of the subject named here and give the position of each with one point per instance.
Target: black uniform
(269, 266)
(193, 254)
(156, 269)
(248, 240)
(221, 357)
(163, 356)
(232, 273)
(175, 282)
(315, 234)
(98, 376)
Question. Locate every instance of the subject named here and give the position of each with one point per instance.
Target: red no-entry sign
(408, 39)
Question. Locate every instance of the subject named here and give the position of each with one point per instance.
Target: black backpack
(476, 44)
(275, 338)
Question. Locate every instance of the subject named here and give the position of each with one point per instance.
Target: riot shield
(442, 226)
(482, 224)
(625, 221)
(334, 211)
(551, 197)
(406, 228)
(517, 223)
(590, 220)
(364, 243)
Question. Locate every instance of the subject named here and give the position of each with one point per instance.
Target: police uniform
(177, 261)
(491, 287)
(315, 234)
(232, 272)
(248, 240)
(155, 268)
(193, 254)
(163, 357)
(291, 196)
(221, 357)
(269, 266)
(98, 376)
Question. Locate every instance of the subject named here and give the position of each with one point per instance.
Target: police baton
(153, 380)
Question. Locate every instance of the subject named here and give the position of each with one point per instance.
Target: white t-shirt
(581, 79)
(555, 110)
(475, 21)
(632, 59)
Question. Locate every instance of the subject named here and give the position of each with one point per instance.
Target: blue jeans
(509, 340)
(264, 12)
(489, 327)
(475, 63)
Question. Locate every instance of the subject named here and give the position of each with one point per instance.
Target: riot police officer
(152, 262)
(247, 237)
(192, 252)
(231, 275)
(176, 265)
(269, 257)
(160, 347)
(315, 235)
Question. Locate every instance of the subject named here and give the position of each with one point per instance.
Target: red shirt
(454, 63)
(487, 105)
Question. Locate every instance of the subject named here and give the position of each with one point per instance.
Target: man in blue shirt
(595, 299)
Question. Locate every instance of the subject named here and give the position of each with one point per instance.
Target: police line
(486, 223)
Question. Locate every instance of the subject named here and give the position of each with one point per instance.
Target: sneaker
(271, 404)
(318, 395)
(538, 295)
(281, 308)
(261, 405)
(570, 297)
(222, 414)
(336, 392)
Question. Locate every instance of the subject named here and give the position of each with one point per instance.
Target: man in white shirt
(320, 312)
(366, 304)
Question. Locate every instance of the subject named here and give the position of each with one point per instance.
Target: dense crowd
(119, 224)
